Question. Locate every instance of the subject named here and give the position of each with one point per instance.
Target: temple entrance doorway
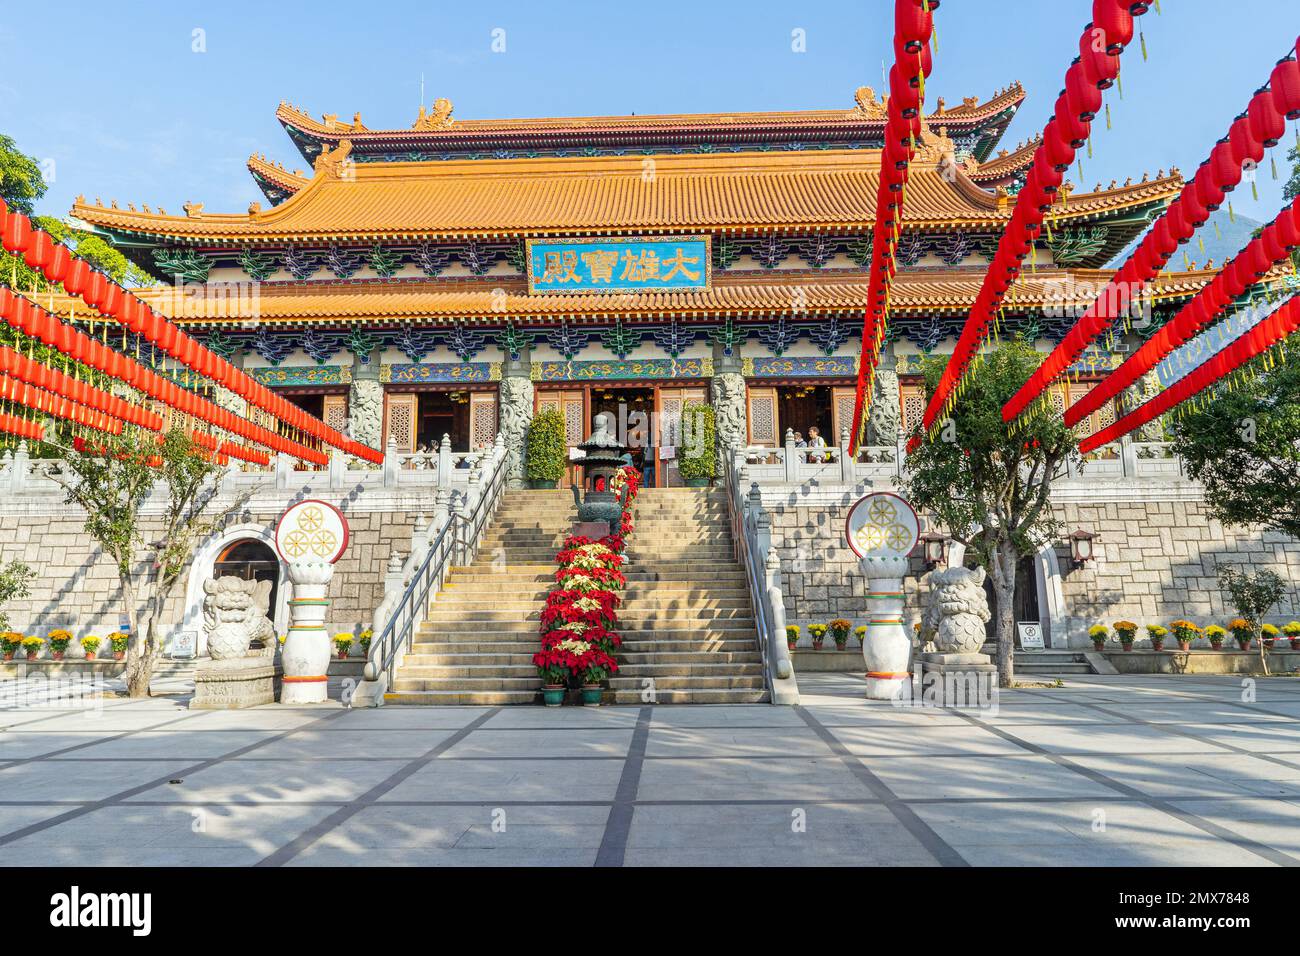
(251, 560)
(631, 408)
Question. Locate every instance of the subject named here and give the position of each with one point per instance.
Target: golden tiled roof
(1007, 162)
(830, 190)
(259, 165)
(802, 293)
(450, 128)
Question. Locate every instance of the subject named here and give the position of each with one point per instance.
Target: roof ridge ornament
(440, 118)
(868, 105)
(330, 161)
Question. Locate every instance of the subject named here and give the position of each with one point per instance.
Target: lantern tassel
(1108, 126)
(1142, 39)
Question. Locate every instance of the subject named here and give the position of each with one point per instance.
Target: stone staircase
(686, 623)
(477, 641)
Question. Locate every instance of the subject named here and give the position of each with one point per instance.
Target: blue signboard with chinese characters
(568, 266)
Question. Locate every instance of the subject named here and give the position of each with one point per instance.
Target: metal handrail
(407, 615)
(757, 584)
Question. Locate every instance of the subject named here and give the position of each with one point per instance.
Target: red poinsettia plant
(581, 614)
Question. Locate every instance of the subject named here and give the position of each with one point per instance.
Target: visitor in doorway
(815, 440)
(799, 440)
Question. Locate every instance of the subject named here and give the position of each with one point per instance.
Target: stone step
(640, 658)
(711, 671)
(521, 644)
(707, 643)
(525, 603)
(636, 590)
(461, 698)
(1048, 668)
(628, 618)
(471, 671)
(717, 696)
(437, 657)
(531, 682)
(626, 680)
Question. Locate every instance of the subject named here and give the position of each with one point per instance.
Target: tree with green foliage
(698, 454)
(1244, 446)
(988, 483)
(547, 454)
(15, 582)
(1254, 594)
(115, 483)
(21, 185)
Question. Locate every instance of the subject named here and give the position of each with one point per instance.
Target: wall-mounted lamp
(1081, 550)
(935, 548)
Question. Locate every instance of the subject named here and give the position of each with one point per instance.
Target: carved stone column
(729, 398)
(516, 413)
(885, 418)
(366, 405)
(306, 653)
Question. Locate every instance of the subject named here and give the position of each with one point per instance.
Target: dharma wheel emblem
(311, 531)
(880, 525)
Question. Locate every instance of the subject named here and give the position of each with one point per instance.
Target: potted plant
(1098, 633)
(791, 635)
(1126, 631)
(1268, 634)
(818, 634)
(547, 451)
(861, 631)
(343, 644)
(1241, 632)
(1184, 632)
(594, 668)
(10, 641)
(32, 646)
(1157, 633)
(91, 644)
(1292, 631)
(553, 668)
(118, 641)
(59, 639)
(697, 462)
(839, 629)
(1216, 634)
(364, 639)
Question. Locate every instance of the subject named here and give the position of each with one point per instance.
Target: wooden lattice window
(764, 428)
(911, 400)
(482, 419)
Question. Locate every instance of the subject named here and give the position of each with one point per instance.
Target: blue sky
(114, 95)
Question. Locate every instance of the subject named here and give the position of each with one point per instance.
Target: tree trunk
(1263, 655)
(142, 649)
(1004, 586)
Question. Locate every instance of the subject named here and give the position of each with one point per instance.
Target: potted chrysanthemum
(1157, 633)
(818, 634)
(1184, 633)
(59, 640)
(839, 629)
(791, 635)
(1126, 631)
(32, 646)
(1216, 634)
(1292, 630)
(1098, 634)
(861, 632)
(1269, 633)
(343, 645)
(10, 641)
(1241, 632)
(118, 641)
(90, 644)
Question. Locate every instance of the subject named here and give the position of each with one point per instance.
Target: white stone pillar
(887, 647)
(306, 654)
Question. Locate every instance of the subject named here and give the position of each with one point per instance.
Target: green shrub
(548, 454)
(698, 426)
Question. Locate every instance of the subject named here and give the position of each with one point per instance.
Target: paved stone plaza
(1125, 771)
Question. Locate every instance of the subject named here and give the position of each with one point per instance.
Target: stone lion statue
(235, 615)
(957, 611)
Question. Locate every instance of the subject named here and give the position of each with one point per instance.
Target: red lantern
(39, 250)
(1285, 86)
(60, 262)
(906, 96)
(913, 23)
(17, 233)
(1246, 149)
(1224, 168)
(1207, 190)
(1115, 24)
(1266, 121)
(96, 289)
(1057, 147)
(78, 277)
(1100, 66)
(1071, 129)
(1083, 98)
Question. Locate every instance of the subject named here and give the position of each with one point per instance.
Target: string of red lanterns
(21, 427)
(913, 28)
(1272, 246)
(1261, 126)
(41, 251)
(1094, 70)
(52, 380)
(30, 319)
(1263, 336)
(47, 403)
